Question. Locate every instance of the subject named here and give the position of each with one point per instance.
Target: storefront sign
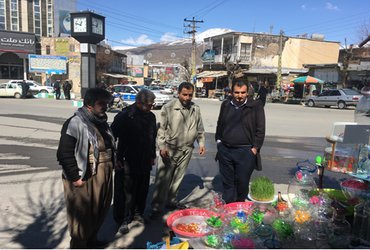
(137, 72)
(17, 42)
(48, 64)
(207, 79)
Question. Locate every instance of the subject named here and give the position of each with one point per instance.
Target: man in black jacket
(240, 134)
(67, 90)
(135, 128)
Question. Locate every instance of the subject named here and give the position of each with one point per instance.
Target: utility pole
(193, 43)
(346, 60)
(279, 78)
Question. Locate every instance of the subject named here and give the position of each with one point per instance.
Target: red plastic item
(237, 206)
(196, 212)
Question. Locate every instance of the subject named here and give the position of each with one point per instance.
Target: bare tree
(363, 31)
(103, 62)
(233, 69)
(186, 74)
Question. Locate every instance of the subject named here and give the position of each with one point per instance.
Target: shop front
(14, 50)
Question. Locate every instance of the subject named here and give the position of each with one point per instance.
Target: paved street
(32, 213)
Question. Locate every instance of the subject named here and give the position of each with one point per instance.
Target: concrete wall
(299, 51)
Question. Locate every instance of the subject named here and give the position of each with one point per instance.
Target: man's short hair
(145, 96)
(96, 94)
(239, 83)
(186, 85)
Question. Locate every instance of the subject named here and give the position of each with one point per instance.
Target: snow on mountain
(200, 37)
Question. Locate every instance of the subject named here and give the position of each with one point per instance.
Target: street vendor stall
(306, 86)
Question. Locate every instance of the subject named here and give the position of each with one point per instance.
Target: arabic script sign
(48, 64)
(17, 42)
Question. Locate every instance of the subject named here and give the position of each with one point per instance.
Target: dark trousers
(236, 167)
(67, 94)
(130, 193)
(57, 94)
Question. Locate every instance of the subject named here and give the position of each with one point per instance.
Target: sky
(144, 22)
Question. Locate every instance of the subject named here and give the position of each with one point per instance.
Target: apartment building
(22, 25)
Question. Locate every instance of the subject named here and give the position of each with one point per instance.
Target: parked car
(129, 94)
(13, 90)
(164, 90)
(35, 87)
(341, 98)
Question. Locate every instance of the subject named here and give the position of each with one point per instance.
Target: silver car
(129, 92)
(341, 98)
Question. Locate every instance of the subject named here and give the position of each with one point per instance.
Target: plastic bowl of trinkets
(191, 222)
(354, 188)
(235, 207)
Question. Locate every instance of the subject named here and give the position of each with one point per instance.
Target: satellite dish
(173, 55)
(149, 55)
(107, 51)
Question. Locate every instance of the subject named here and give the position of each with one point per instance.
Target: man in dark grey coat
(135, 129)
(240, 134)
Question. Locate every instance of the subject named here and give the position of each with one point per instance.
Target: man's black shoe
(123, 229)
(176, 205)
(98, 244)
(141, 219)
(155, 214)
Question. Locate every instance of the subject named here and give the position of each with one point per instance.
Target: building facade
(33, 20)
(261, 56)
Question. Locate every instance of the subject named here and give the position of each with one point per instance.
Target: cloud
(139, 41)
(123, 47)
(330, 6)
(303, 7)
(168, 37)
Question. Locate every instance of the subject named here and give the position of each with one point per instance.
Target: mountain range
(175, 52)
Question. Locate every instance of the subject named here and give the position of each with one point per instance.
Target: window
(335, 93)
(245, 51)
(49, 22)
(37, 17)
(2, 15)
(14, 15)
(72, 48)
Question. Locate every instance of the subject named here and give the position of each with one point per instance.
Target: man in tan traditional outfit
(86, 153)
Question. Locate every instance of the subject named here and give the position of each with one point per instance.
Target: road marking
(11, 168)
(12, 156)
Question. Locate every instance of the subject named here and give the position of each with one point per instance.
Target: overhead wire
(129, 15)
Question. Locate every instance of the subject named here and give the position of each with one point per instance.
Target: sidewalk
(35, 215)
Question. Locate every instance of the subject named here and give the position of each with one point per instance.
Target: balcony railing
(233, 58)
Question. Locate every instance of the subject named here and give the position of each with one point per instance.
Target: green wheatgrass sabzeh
(262, 189)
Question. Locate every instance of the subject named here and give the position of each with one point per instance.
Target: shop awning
(211, 74)
(120, 76)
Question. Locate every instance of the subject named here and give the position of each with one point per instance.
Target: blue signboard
(48, 64)
(208, 55)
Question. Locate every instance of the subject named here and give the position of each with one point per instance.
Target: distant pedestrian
(180, 126)
(135, 128)
(57, 88)
(240, 134)
(25, 88)
(262, 93)
(67, 90)
(86, 154)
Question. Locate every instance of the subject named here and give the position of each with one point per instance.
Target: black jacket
(253, 119)
(136, 132)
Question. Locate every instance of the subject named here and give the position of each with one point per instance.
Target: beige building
(63, 46)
